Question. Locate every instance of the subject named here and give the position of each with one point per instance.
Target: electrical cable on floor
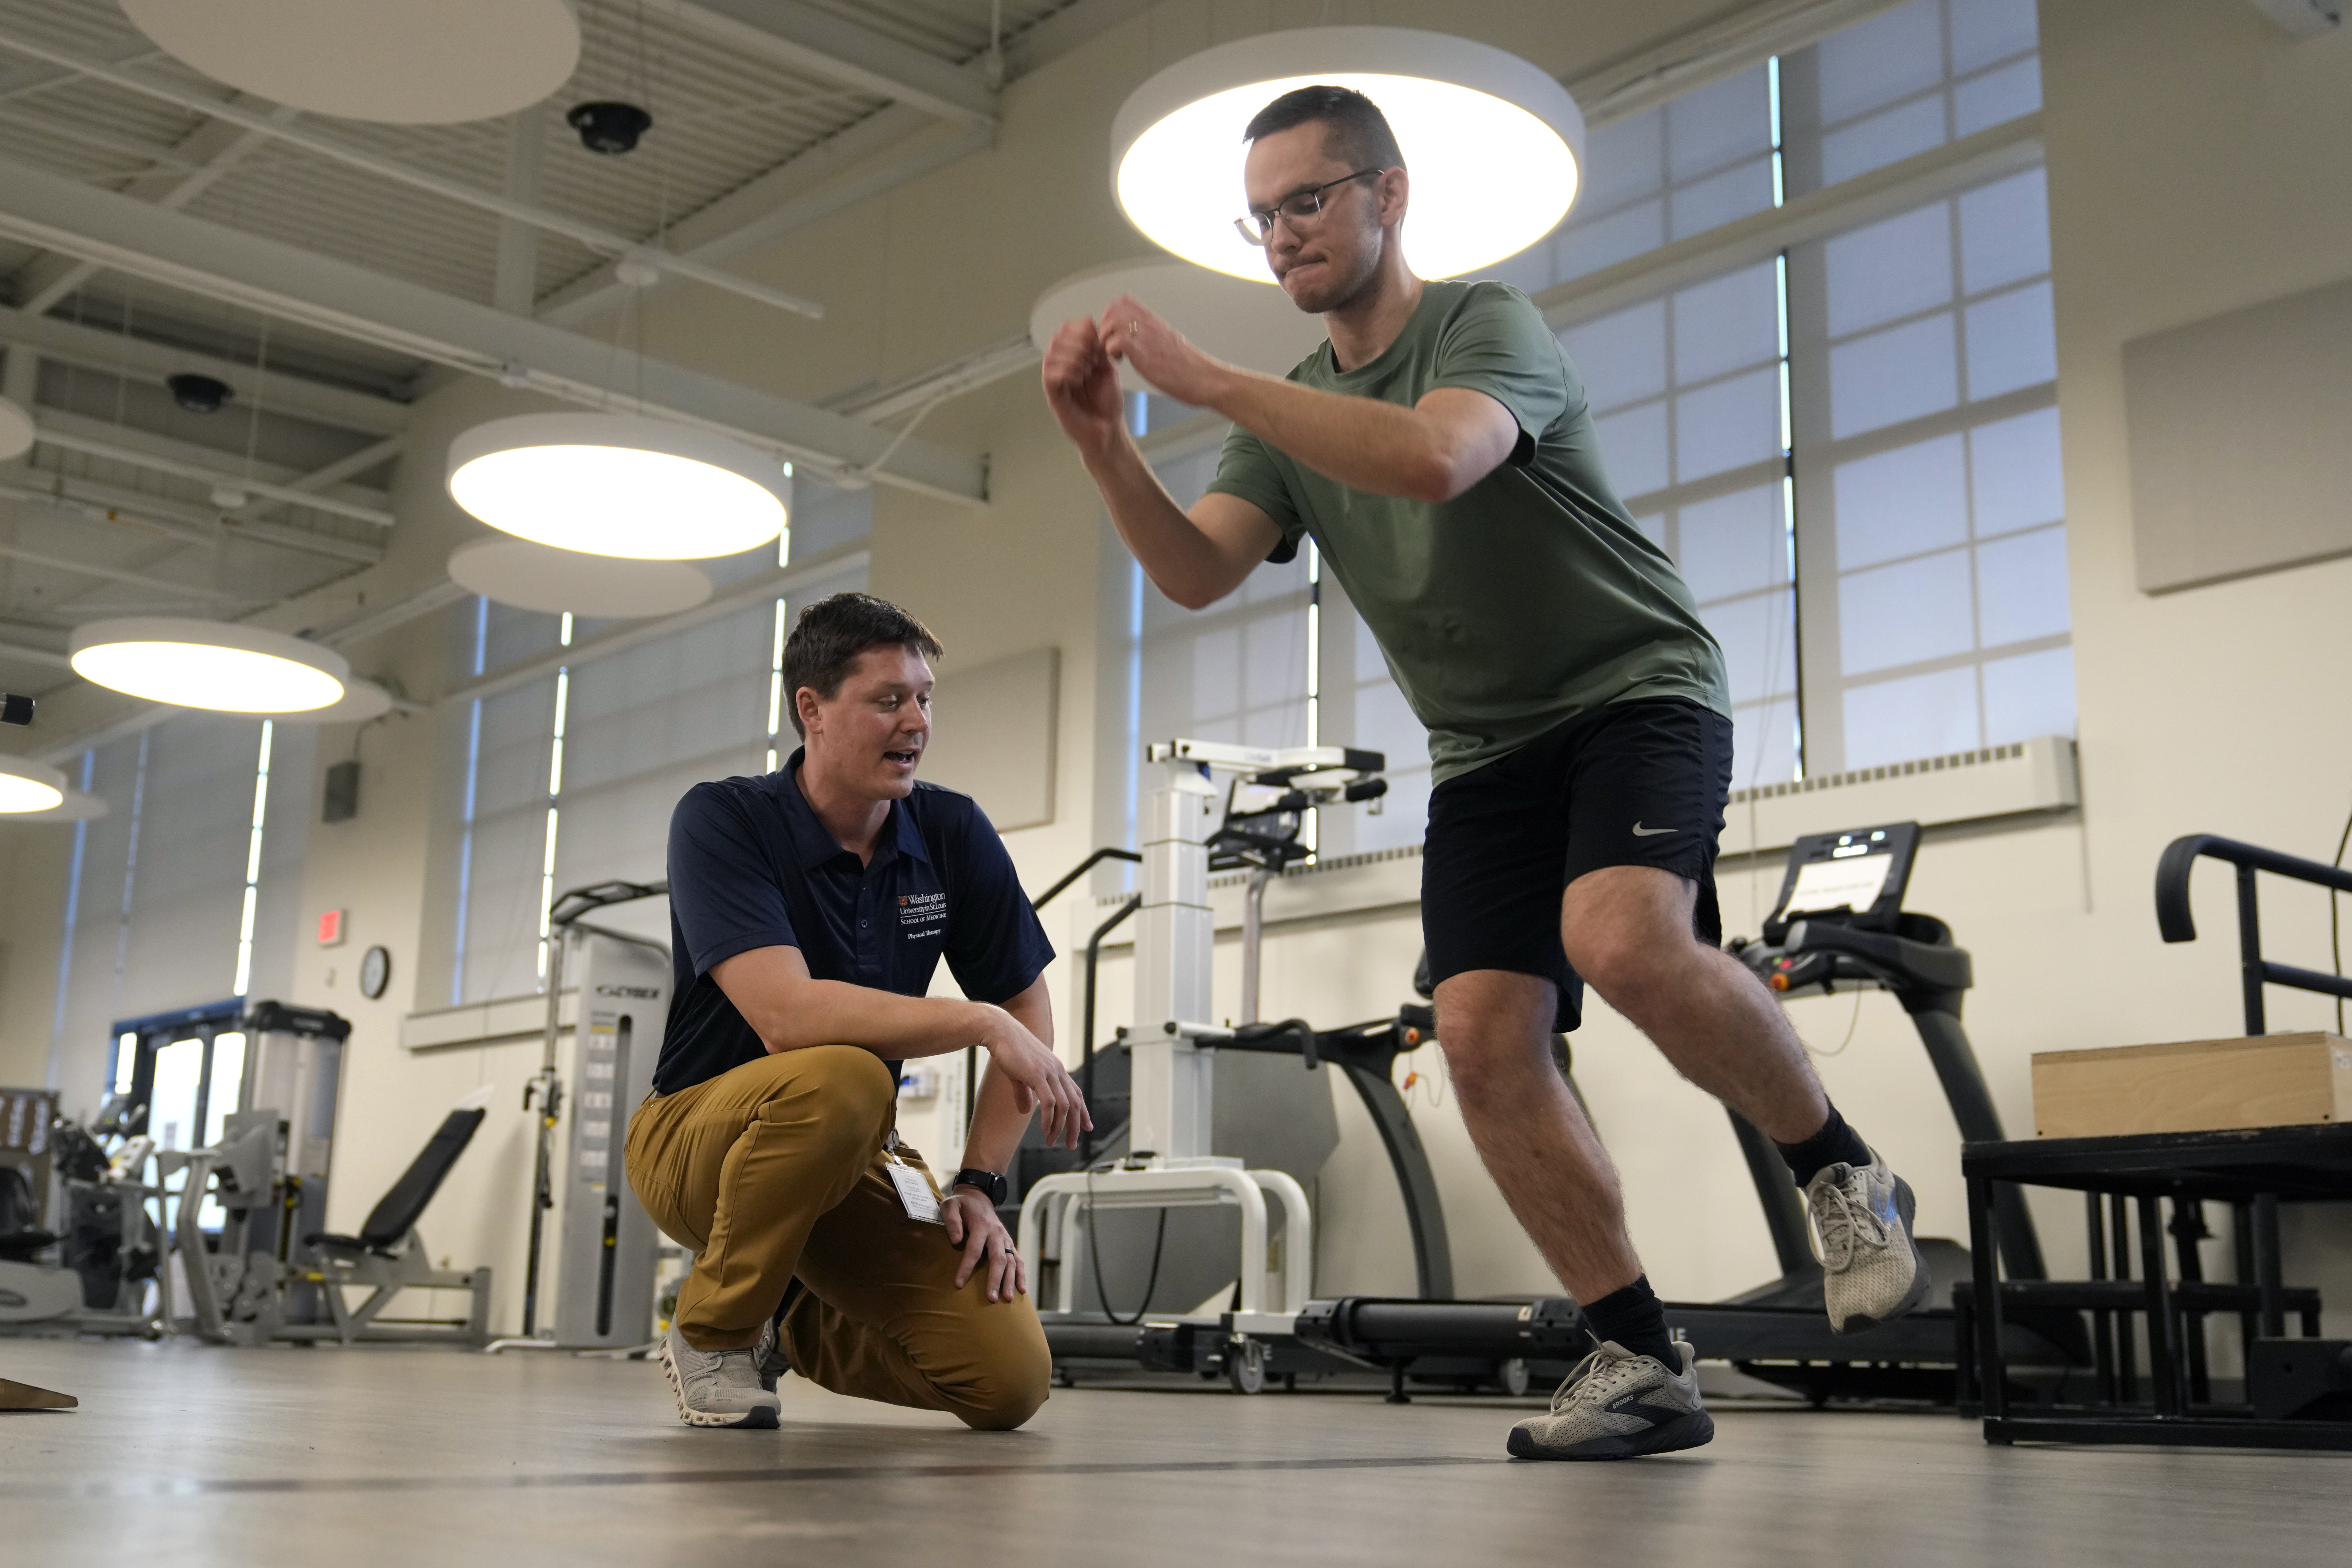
(1093, 1258)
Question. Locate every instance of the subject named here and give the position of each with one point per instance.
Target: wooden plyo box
(2193, 1086)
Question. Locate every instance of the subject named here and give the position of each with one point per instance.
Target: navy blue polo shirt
(751, 866)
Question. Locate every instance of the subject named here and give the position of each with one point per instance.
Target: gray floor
(187, 1455)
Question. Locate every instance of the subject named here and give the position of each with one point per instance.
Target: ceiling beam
(803, 39)
(114, 574)
(26, 80)
(100, 503)
(26, 652)
(1723, 44)
(284, 280)
(592, 235)
(837, 173)
(204, 157)
(221, 464)
(115, 452)
(119, 353)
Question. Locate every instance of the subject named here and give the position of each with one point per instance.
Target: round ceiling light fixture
(208, 664)
(398, 62)
(361, 700)
(619, 484)
(16, 430)
(1496, 146)
(27, 785)
(541, 577)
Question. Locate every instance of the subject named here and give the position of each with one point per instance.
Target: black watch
(991, 1182)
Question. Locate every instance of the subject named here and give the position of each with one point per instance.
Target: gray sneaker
(1618, 1406)
(1873, 1271)
(717, 1388)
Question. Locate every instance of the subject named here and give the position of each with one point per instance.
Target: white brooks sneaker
(1618, 1406)
(717, 1388)
(1873, 1271)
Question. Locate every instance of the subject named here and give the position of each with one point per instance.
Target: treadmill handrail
(2175, 921)
(1886, 950)
(1109, 852)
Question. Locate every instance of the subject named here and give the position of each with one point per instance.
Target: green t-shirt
(1525, 601)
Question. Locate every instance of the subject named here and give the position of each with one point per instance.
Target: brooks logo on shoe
(1630, 1404)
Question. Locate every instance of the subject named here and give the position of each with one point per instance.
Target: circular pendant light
(618, 484)
(1256, 329)
(361, 700)
(1495, 146)
(206, 664)
(540, 577)
(17, 432)
(400, 62)
(27, 785)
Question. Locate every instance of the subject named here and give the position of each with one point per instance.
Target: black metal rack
(2299, 1391)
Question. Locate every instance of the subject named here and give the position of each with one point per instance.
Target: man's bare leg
(1497, 1028)
(1627, 930)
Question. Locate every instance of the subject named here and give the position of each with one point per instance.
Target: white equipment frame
(1174, 1049)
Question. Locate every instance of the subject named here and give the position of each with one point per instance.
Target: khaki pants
(775, 1169)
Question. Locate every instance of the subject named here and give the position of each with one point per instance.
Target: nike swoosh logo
(1642, 832)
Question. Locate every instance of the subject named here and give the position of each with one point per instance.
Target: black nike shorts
(1633, 783)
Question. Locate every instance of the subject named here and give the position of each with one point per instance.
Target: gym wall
(2196, 166)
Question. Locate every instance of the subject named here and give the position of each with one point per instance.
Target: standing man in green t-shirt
(1439, 451)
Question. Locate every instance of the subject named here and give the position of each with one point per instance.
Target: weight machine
(604, 1244)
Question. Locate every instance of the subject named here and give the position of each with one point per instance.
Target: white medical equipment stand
(1170, 1165)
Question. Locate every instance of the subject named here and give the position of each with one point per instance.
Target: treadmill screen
(1824, 885)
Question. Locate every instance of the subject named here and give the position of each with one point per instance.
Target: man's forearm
(997, 1120)
(1184, 561)
(1379, 448)
(835, 1013)
(997, 1124)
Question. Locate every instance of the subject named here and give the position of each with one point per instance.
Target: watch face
(375, 973)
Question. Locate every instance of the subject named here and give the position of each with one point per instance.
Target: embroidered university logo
(921, 909)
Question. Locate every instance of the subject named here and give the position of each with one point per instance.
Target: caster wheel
(1246, 1366)
(1513, 1375)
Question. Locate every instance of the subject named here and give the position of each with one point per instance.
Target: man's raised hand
(1040, 1081)
(1082, 386)
(1160, 353)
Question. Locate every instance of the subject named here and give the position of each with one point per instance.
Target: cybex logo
(650, 992)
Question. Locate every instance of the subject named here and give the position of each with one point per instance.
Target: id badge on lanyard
(915, 1194)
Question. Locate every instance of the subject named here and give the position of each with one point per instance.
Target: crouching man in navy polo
(810, 907)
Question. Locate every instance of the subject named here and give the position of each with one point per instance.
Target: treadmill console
(1856, 879)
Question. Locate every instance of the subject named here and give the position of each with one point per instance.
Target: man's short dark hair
(1354, 128)
(833, 633)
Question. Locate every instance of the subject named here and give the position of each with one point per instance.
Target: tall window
(1848, 443)
(569, 778)
(1932, 540)
(1690, 401)
(185, 891)
(1241, 671)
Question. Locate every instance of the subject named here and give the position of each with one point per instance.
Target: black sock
(1634, 1317)
(1835, 1145)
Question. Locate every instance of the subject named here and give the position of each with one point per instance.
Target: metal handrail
(2175, 922)
(1080, 869)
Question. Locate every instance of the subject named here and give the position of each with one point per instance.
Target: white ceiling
(84, 534)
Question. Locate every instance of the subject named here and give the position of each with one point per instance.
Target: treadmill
(1838, 925)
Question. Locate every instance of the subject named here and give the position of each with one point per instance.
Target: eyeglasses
(1300, 209)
